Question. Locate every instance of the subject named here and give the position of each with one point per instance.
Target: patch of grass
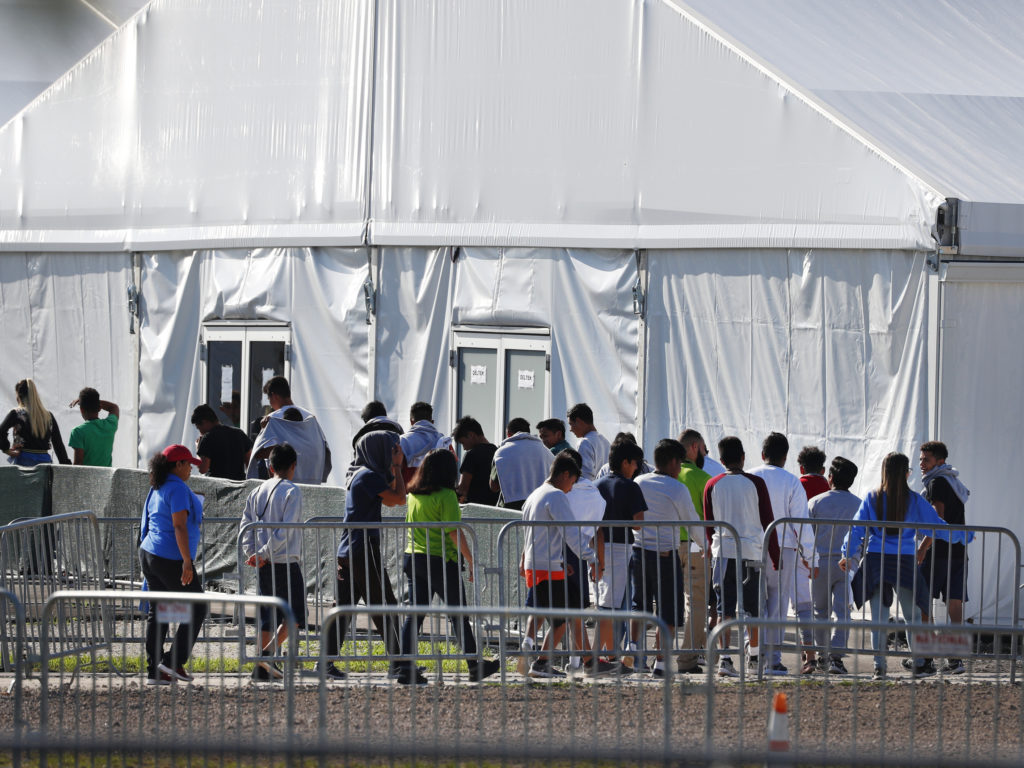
(373, 651)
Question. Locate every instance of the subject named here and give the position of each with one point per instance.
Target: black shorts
(283, 580)
(577, 582)
(945, 572)
(658, 581)
(725, 584)
(551, 594)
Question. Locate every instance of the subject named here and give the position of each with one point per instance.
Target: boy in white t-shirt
(657, 572)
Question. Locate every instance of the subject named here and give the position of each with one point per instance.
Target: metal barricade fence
(899, 715)
(43, 555)
(831, 592)
(123, 701)
(449, 714)
(384, 576)
(670, 583)
(12, 637)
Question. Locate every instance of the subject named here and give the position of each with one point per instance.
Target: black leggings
(361, 576)
(431, 575)
(163, 575)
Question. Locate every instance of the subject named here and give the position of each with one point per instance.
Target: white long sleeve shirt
(789, 499)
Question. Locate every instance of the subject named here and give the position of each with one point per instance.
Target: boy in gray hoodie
(276, 552)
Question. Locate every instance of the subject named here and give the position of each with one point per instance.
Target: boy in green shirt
(93, 441)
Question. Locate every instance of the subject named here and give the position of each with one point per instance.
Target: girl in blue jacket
(892, 554)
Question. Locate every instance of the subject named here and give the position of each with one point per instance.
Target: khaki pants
(695, 580)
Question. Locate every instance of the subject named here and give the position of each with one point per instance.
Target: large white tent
(740, 217)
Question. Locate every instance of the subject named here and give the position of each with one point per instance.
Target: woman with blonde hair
(891, 557)
(34, 430)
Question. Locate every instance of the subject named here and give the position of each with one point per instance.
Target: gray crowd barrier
(695, 569)
(931, 719)
(12, 653)
(455, 716)
(97, 702)
(320, 540)
(117, 704)
(44, 555)
(990, 543)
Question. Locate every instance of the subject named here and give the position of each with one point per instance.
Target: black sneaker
(954, 667)
(879, 674)
(261, 674)
(776, 669)
(600, 668)
(411, 678)
(270, 668)
(331, 672)
(836, 666)
(925, 670)
(486, 668)
(542, 669)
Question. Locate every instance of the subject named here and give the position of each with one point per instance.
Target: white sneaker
(726, 669)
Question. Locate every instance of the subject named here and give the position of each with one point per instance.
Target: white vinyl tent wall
(65, 324)
(317, 290)
(487, 164)
(828, 347)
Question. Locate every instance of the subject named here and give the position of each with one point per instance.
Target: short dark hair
(573, 454)
(277, 385)
(439, 470)
(292, 414)
(582, 412)
(811, 458)
(564, 463)
(554, 425)
(372, 410)
(89, 400)
(843, 472)
(667, 451)
(465, 427)
(730, 451)
(623, 451)
(518, 424)
(203, 413)
(282, 456)
(421, 411)
(936, 449)
(775, 448)
(624, 437)
(688, 437)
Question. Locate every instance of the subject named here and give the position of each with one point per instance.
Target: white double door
(502, 375)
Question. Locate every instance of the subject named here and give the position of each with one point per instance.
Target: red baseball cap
(177, 453)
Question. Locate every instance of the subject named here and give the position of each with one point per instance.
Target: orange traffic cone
(778, 725)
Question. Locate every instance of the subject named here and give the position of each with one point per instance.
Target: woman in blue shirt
(890, 561)
(168, 542)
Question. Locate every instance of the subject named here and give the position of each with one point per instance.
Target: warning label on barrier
(939, 643)
(174, 613)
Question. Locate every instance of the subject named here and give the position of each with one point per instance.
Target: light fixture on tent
(133, 307)
(639, 299)
(370, 299)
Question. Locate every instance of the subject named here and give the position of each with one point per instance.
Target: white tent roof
(938, 83)
(637, 124)
(41, 39)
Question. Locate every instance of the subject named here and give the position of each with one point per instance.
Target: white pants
(781, 588)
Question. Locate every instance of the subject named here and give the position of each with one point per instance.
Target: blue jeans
(880, 614)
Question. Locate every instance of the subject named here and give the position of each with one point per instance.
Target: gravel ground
(974, 716)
